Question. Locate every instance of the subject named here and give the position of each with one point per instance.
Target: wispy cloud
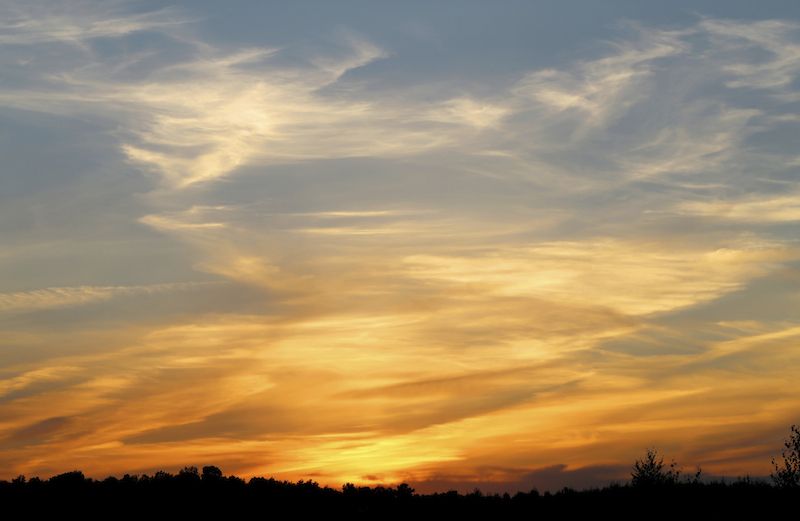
(631, 278)
(602, 90)
(764, 209)
(33, 377)
(200, 119)
(778, 38)
(75, 22)
(49, 298)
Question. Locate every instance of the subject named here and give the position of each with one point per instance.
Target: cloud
(40, 431)
(35, 378)
(501, 480)
(764, 209)
(633, 278)
(201, 118)
(775, 38)
(49, 298)
(75, 22)
(602, 90)
(475, 113)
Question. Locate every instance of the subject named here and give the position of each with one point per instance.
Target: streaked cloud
(780, 208)
(48, 298)
(36, 22)
(634, 279)
(777, 37)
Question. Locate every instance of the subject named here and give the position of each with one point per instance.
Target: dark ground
(211, 495)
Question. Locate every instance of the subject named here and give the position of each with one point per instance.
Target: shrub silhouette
(651, 472)
(787, 473)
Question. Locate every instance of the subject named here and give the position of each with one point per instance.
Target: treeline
(210, 494)
(655, 491)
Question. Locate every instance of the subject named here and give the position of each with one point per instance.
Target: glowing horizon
(367, 245)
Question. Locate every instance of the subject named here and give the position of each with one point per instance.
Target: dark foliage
(650, 471)
(210, 494)
(787, 472)
(656, 491)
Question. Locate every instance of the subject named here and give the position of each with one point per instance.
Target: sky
(497, 244)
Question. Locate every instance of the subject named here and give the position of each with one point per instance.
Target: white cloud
(49, 298)
(778, 39)
(634, 278)
(36, 21)
(763, 209)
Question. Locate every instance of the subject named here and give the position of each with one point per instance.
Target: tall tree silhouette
(787, 473)
(650, 471)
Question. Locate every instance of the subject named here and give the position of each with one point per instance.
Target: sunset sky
(502, 244)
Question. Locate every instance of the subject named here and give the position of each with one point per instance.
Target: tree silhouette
(651, 472)
(211, 473)
(210, 494)
(404, 490)
(787, 474)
